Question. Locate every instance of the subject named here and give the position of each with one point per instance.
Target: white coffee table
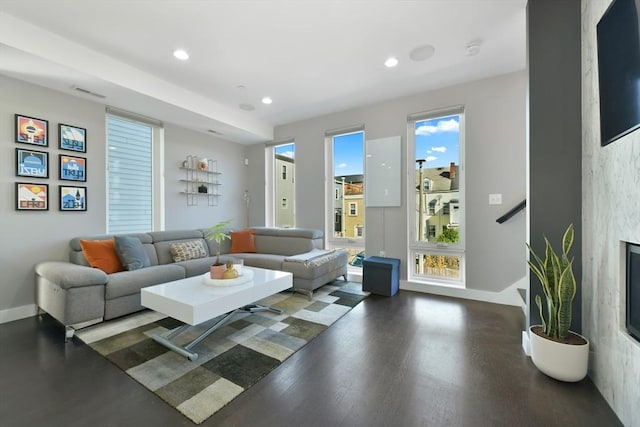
(193, 302)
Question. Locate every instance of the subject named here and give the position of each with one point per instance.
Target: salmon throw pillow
(102, 254)
(242, 242)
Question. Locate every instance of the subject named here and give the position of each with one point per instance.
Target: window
(346, 193)
(435, 197)
(134, 175)
(283, 202)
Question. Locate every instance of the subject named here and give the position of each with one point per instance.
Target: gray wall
(555, 179)
(29, 237)
(495, 163)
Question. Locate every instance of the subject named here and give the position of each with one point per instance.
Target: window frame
(415, 246)
(157, 185)
(353, 244)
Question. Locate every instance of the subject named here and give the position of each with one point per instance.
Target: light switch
(495, 199)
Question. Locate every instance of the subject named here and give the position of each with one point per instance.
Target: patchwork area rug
(231, 359)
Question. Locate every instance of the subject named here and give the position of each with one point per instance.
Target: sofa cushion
(130, 282)
(192, 249)
(102, 254)
(242, 242)
(131, 253)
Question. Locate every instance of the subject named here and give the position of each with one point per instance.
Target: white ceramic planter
(563, 362)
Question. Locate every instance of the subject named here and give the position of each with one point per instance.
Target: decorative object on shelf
(32, 196)
(555, 350)
(73, 168)
(201, 180)
(31, 163)
(72, 138)
(73, 198)
(203, 164)
(30, 130)
(218, 233)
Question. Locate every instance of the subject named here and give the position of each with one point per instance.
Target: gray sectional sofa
(78, 295)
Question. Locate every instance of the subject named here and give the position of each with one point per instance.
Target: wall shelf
(202, 180)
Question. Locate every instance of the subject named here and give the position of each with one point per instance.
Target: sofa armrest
(68, 275)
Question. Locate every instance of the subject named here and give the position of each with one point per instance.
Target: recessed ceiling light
(181, 54)
(422, 53)
(391, 62)
(267, 100)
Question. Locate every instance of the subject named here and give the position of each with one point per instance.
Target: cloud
(450, 125)
(431, 158)
(439, 149)
(342, 166)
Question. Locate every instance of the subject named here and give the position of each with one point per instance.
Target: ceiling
(312, 57)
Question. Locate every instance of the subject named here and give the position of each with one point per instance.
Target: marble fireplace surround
(610, 200)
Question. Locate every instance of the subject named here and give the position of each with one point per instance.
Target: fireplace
(633, 290)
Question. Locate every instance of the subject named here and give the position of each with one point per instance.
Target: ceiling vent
(88, 92)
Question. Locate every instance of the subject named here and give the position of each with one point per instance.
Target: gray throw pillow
(131, 253)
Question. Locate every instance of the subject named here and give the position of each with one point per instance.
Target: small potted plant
(555, 350)
(218, 233)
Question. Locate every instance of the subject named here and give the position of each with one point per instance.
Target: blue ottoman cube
(381, 275)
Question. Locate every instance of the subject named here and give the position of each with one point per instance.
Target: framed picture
(73, 168)
(31, 163)
(32, 196)
(72, 138)
(30, 130)
(73, 198)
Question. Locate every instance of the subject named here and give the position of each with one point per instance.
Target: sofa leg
(68, 333)
(345, 277)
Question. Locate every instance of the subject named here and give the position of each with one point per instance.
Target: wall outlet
(495, 199)
(383, 253)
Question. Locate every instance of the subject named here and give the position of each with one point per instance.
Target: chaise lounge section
(78, 295)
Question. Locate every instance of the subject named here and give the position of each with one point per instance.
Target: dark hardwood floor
(409, 360)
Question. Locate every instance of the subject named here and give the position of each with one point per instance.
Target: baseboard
(17, 313)
(525, 343)
(508, 296)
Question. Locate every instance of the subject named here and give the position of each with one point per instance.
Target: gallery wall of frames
(35, 165)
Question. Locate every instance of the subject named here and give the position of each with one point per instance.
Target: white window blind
(130, 179)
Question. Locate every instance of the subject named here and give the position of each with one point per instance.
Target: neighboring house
(349, 206)
(284, 191)
(439, 200)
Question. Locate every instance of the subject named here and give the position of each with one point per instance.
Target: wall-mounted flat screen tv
(618, 36)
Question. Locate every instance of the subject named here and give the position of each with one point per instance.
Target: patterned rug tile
(302, 329)
(231, 359)
(188, 385)
(242, 366)
(210, 400)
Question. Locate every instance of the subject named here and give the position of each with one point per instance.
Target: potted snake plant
(218, 233)
(555, 350)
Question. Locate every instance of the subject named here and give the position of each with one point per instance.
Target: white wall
(27, 238)
(610, 216)
(495, 163)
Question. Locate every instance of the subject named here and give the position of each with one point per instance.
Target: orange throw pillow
(102, 254)
(242, 241)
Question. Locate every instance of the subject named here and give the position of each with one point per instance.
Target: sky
(437, 141)
(287, 150)
(348, 154)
